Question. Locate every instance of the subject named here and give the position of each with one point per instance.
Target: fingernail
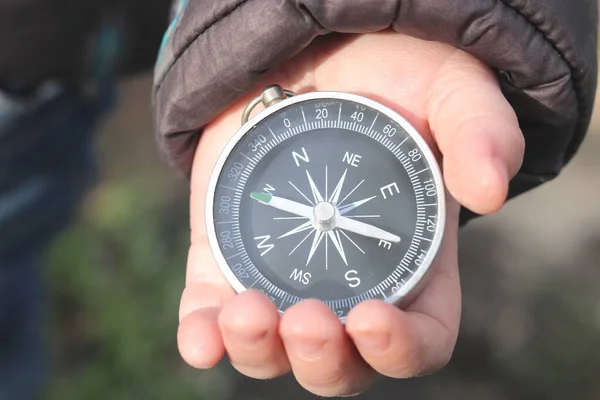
(372, 342)
(306, 348)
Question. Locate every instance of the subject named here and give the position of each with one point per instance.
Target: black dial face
(327, 198)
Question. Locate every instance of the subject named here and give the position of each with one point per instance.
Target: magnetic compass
(325, 195)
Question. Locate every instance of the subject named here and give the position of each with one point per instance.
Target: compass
(325, 195)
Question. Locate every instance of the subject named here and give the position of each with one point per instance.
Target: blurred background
(530, 280)
(531, 321)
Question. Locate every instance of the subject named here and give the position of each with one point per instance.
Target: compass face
(326, 195)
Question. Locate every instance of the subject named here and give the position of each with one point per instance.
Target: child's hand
(456, 104)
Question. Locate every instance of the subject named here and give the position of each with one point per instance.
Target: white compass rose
(326, 218)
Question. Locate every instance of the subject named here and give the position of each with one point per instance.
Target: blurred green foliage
(116, 277)
(115, 280)
(116, 274)
(562, 358)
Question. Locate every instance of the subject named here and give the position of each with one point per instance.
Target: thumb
(477, 132)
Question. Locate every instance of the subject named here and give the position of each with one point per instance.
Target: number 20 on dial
(326, 195)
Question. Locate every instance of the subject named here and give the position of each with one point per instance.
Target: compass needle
(352, 241)
(366, 230)
(303, 198)
(264, 198)
(283, 204)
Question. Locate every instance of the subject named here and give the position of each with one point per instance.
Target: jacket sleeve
(544, 52)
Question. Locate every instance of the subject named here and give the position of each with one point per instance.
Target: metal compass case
(325, 195)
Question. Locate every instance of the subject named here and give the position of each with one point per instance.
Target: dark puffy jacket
(544, 52)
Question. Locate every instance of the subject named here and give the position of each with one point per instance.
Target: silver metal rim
(415, 283)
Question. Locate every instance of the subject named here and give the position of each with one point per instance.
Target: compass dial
(326, 195)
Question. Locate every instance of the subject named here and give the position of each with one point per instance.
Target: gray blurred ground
(530, 276)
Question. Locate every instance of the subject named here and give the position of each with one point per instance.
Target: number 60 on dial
(326, 195)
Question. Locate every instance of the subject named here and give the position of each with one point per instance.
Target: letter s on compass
(325, 195)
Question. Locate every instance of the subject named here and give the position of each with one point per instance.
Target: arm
(205, 67)
(543, 51)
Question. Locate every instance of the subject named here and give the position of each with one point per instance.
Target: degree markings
(272, 133)
(303, 116)
(423, 238)
(417, 173)
(373, 124)
(360, 128)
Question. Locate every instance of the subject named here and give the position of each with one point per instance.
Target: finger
(477, 132)
(207, 290)
(396, 343)
(322, 357)
(199, 337)
(250, 328)
(420, 339)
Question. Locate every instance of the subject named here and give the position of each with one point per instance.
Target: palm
(455, 103)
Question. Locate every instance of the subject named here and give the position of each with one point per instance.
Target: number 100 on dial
(326, 195)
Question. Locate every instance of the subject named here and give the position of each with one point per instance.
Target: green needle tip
(262, 197)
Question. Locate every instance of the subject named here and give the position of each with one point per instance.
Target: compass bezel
(414, 285)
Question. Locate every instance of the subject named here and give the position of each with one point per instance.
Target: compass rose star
(315, 245)
(313, 188)
(335, 196)
(305, 211)
(348, 207)
(337, 242)
(300, 228)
